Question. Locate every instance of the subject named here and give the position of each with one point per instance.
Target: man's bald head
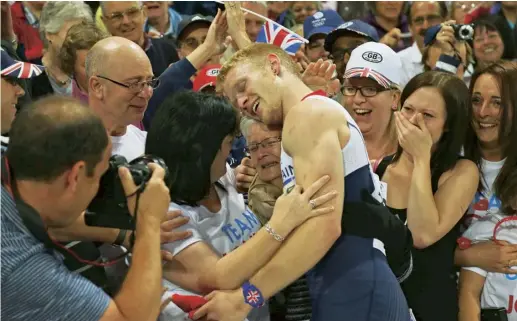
(112, 53)
(52, 135)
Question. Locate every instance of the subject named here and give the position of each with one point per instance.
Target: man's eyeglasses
(365, 91)
(131, 13)
(136, 87)
(192, 43)
(266, 143)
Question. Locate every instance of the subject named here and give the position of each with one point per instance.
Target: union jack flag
(19, 69)
(253, 296)
(275, 34)
(23, 70)
(368, 73)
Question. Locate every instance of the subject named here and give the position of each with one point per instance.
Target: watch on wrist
(252, 295)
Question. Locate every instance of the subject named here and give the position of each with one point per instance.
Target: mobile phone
(494, 314)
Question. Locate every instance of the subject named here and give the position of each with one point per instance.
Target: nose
(359, 98)
(146, 92)
(261, 152)
(484, 110)
(413, 119)
(325, 54)
(125, 19)
(241, 102)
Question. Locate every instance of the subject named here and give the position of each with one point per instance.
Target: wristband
(275, 235)
(121, 237)
(252, 295)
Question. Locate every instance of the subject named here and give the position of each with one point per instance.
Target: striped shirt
(35, 283)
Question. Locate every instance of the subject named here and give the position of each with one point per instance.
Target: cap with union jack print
(19, 69)
(376, 61)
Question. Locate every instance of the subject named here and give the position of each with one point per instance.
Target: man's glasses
(131, 13)
(365, 91)
(266, 143)
(136, 87)
(192, 43)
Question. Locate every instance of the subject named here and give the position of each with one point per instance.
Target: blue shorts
(354, 282)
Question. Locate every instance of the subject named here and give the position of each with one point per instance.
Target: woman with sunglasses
(193, 134)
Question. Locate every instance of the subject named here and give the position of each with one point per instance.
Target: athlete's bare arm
(313, 135)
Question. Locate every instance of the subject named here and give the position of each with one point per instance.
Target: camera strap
(29, 216)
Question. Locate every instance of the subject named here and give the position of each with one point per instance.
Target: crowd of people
(174, 161)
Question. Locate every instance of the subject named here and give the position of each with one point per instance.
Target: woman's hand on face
(414, 139)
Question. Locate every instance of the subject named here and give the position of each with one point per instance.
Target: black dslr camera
(109, 207)
(464, 32)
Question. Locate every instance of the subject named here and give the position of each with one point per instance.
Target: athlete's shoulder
(317, 110)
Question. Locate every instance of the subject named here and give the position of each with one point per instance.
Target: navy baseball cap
(189, 20)
(18, 69)
(355, 26)
(430, 34)
(322, 22)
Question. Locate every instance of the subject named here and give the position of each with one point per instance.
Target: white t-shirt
(485, 202)
(130, 145)
(499, 290)
(223, 231)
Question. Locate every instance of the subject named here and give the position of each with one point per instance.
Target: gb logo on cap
(212, 72)
(372, 56)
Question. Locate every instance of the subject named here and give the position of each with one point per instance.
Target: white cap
(376, 61)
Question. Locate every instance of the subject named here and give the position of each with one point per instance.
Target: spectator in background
(79, 39)
(192, 33)
(56, 19)
(303, 9)
(489, 43)
(278, 11)
(371, 94)
(315, 28)
(126, 19)
(459, 9)
(120, 85)
(162, 19)
(344, 39)
(11, 89)
(421, 16)
(490, 144)
(25, 19)
(508, 14)
(388, 18)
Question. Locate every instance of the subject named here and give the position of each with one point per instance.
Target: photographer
(49, 188)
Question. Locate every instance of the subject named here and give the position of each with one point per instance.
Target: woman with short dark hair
(193, 134)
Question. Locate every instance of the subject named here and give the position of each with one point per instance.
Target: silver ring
(312, 203)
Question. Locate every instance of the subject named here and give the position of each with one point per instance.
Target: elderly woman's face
(265, 148)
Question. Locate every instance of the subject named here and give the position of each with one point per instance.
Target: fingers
(421, 123)
(172, 215)
(321, 211)
(169, 237)
(246, 161)
(167, 256)
(127, 181)
(315, 187)
(171, 224)
(210, 296)
(158, 171)
(329, 72)
(165, 302)
(323, 199)
(509, 271)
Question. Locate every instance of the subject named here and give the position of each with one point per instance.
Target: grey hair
(246, 124)
(56, 13)
(103, 5)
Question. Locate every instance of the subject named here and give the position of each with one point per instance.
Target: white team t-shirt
(130, 145)
(485, 202)
(223, 231)
(499, 290)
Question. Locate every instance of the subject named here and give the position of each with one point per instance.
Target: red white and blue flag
(275, 34)
(368, 73)
(23, 70)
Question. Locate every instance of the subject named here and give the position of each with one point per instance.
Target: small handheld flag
(274, 34)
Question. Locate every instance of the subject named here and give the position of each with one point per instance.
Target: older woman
(423, 179)
(489, 44)
(79, 39)
(56, 18)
